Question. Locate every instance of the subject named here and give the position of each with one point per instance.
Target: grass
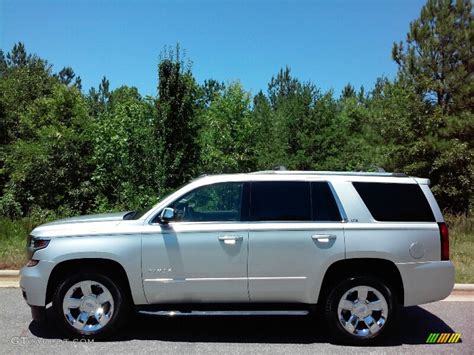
(13, 241)
(461, 243)
(13, 235)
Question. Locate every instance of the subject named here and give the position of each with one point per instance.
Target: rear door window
(392, 202)
(280, 201)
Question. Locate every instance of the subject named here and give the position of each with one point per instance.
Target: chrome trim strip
(278, 278)
(162, 280)
(225, 313)
(227, 278)
(418, 262)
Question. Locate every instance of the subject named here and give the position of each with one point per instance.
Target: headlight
(39, 243)
(35, 244)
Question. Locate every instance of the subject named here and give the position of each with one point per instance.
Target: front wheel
(89, 305)
(360, 310)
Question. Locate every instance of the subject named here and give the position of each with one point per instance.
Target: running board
(223, 313)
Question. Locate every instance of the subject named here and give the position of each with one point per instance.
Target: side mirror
(166, 215)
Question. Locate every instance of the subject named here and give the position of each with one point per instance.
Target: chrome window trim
(342, 212)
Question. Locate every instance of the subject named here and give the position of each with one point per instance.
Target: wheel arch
(109, 267)
(381, 268)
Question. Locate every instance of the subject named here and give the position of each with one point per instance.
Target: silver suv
(355, 246)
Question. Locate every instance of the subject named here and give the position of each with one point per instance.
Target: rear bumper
(426, 282)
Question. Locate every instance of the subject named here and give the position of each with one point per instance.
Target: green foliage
(124, 154)
(65, 152)
(176, 121)
(439, 54)
(49, 165)
(228, 133)
(24, 78)
(436, 72)
(310, 130)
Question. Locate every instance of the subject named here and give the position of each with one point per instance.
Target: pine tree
(66, 75)
(438, 55)
(176, 122)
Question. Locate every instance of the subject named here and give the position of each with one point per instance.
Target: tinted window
(323, 203)
(395, 202)
(218, 202)
(280, 201)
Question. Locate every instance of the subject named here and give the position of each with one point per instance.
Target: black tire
(338, 332)
(121, 311)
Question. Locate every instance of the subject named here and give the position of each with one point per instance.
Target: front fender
(123, 249)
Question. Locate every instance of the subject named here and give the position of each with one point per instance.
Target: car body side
(425, 278)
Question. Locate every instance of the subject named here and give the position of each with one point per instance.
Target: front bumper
(426, 282)
(34, 283)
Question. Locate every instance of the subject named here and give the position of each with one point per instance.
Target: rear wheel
(89, 305)
(360, 310)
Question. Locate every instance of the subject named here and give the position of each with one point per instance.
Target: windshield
(137, 214)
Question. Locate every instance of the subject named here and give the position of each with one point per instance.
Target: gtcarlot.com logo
(440, 338)
(24, 340)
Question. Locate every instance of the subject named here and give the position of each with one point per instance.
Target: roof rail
(342, 173)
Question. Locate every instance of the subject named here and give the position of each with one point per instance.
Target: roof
(336, 173)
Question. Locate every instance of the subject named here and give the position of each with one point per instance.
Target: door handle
(230, 239)
(323, 238)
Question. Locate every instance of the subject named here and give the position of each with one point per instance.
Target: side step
(224, 313)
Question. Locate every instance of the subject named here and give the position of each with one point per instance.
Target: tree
(124, 153)
(98, 99)
(413, 137)
(176, 122)
(24, 78)
(49, 166)
(348, 91)
(280, 114)
(209, 91)
(66, 75)
(3, 64)
(301, 128)
(228, 135)
(438, 55)
(104, 91)
(437, 63)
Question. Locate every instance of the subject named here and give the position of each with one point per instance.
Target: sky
(330, 42)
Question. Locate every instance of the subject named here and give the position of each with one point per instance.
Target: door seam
(248, 256)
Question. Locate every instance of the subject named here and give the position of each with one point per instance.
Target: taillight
(444, 235)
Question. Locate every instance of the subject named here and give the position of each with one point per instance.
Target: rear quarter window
(392, 202)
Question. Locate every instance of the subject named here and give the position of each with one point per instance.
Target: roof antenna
(380, 169)
(279, 168)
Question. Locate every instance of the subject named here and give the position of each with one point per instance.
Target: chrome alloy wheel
(362, 311)
(88, 306)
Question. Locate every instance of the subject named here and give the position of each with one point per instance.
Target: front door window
(212, 203)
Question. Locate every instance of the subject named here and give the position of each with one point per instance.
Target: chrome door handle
(230, 239)
(323, 238)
